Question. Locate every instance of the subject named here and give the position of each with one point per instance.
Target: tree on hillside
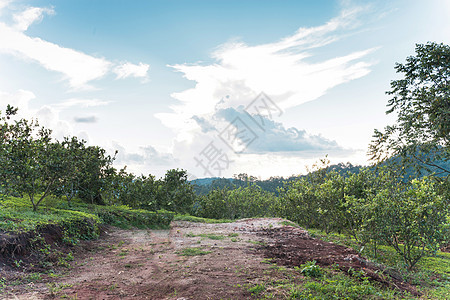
(74, 150)
(95, 174)
(421, 99)
(174, 192)
(31, 163)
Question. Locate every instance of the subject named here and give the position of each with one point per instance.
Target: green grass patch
(257, 243)
(194, 251)
(431, 275)
(210, 236)
(289, 223)
(190, 218)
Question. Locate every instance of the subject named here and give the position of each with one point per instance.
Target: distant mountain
(205, 181)
(204, 185)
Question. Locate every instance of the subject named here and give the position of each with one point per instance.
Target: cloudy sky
(214, 87)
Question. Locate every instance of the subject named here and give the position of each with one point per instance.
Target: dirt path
(226, 261)
(147, 264)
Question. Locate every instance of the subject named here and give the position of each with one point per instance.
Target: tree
(31, 163)
(411, 219)
(175, 193)
(421, 100)
(95, 174)
(73, 153)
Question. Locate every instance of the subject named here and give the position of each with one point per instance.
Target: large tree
(421, 99)
(31, 164)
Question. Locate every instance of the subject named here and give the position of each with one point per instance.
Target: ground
(191, 261)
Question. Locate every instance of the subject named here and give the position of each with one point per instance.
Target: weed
(310, 269)
(256, 289)
(55, 288)
(289, 223)
(33, 277)
(193, 251)
(257, 243)
(17, 263)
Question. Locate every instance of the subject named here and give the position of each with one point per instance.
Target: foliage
(421, 100)
(31, 163)
(412, 219)
(310, 269)
(243, 202)
(18, 216)
(190, 218)
(175, 193)
(94, 177)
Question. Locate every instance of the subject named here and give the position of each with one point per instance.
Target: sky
(216, 88)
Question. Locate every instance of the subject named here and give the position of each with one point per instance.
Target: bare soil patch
(148, 264)
(293, 247)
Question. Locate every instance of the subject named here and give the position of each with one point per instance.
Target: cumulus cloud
(204, 124)
(19, 99)
(146, 155)
(77, 67)
(127, 69)
(284, 70)
(87, 119)
(273, 136)
(290, 71)
(3, 4)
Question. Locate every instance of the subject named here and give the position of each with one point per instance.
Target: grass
(213, 236)
(289, 223)
(322, 283)
(257, 243)
(190, 218)
(194, 251)
(431, 275)
(17, 215)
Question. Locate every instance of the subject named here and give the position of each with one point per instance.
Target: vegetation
(421, 100)
(194, 251)
(397, 217)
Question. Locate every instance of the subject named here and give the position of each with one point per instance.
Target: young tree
(411, 219)
(421, 100)
(175, 193)
(95, 174)
(73, 152)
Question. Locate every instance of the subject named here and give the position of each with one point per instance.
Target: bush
(412, 219)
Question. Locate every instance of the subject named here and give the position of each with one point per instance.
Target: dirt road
(150, 264)
(189, 261)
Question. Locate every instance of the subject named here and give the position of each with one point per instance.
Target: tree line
(389, 203)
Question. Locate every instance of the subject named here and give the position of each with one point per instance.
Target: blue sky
(164, 82)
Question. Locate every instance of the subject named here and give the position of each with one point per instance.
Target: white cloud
(85, 103)
(77, 67)
(287, 70)
(46, 115)
(29, 16)
(127, 69)
(20, 99)
(281, 69)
